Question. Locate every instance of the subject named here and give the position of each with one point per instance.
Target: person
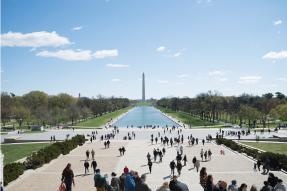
(115, 182)
(205, 155)
(266, 187)
(209, 183)
(149, 166)
(122, 181)
(253, 188)
(184, 160)
(193, 161)
(243, 187)
(201, 154)
(280, 186)
(87, 154)
(68, 177)
(164, 187)
(130, 184)
(163, 151)
(99, 181)
(123, 150)
(179, 167)
(203, 177)
(220, 186)
(94, 165)
(175, 185)
(172, 167)
(197, 165)
(272, 180)
(93, 154)
(233, 186)
(142, 186)
(209, 154)
(86, 165)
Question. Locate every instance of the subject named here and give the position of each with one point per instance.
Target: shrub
(12, 171)
(276, 161)
(37, 159)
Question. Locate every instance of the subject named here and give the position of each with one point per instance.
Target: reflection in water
(145, 116)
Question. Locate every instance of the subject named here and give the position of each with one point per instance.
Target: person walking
(86, 165)
(149, 166)
(142, 186)
(93, 154)
(179, 168)
(115, 182)
(209, 154)
(94, 165)
(172, 167)
(88, 154)
(184, 160)
(193, 161)
(100, 181)
(201, 154)
(197, 165)
(68, 177)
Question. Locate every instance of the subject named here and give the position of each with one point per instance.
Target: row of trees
(40, 108)
(249, 109)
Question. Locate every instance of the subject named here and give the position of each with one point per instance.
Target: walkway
(228, 167)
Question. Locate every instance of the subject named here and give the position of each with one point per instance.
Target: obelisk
(143, 88)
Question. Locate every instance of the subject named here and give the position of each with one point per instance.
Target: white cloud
(216, 73)
(283, 79)
(162, 81)
(106, 53)
(276, 55)
(182, 76)
(278, 22)
(161, 49)
(117, 65)
(177, 54)
(223, 79)
(249, 79)
(34, 39)
(116, 80)
(77, 28)
(179, 83)
(70, 55)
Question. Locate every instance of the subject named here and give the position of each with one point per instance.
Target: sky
(184, 47)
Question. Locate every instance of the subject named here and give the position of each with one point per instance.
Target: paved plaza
(228, 167)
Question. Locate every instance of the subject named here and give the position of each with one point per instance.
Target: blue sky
(185, 47)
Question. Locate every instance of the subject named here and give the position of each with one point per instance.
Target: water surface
(145, 116)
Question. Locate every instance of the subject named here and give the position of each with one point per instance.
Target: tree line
(39, 108)
(244, 109)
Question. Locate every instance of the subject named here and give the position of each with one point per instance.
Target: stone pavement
(228, 167)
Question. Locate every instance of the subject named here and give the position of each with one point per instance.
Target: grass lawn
(102, 120)
(187, 119)
(271, 147)
(14, 152)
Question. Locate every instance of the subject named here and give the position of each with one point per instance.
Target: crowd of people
(273, 183)
(130, 180)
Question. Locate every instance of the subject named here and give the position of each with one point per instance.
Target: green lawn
(187, 119)
(271, 147)
(102, 120)
(14, 152)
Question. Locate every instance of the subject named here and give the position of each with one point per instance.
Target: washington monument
(143, 88)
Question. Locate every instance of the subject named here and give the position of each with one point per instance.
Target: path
(228, 167)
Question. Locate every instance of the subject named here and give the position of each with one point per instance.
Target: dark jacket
(177, 186)
(142, 187)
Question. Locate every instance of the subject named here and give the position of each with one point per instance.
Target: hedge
(277, 161)
(13, 170)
